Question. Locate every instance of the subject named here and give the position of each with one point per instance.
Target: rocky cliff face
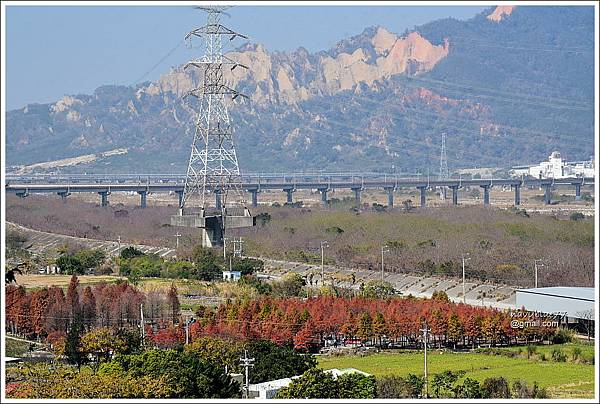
(299, 76)
(374, 100)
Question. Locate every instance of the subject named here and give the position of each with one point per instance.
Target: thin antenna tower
(444, 174)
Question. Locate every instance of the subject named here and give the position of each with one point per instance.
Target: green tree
(496, 387)
(399, 387)
(69, 264)
(314, 383)
(188, 376)
(289, 286)
(455, 329)
(365, 327)
(102, 343)
(130, 252)
(443, 384)
(469, 389)
(248, 266)
(356, 385)
(377, 289)
(73, 350)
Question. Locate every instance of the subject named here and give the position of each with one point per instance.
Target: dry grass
(42, 281)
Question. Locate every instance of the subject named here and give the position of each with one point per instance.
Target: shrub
(575, 353)
(496, 387)
(520, 389)
(558, 355)
(562, 336)
(576, 216)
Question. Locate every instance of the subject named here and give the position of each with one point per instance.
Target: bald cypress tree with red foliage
(88, 308)
(73, 298)
(38, 312)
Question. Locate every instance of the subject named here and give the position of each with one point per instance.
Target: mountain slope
(508, 86)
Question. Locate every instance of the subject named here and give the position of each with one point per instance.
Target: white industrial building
(557, 167)
(569, 305)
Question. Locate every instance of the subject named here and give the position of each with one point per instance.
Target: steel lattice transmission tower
(444, 174)
(213, 164)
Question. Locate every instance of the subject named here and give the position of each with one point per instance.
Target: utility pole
(225, 240)
(247, 363)
(384, 249)
(119, 244)
(535, 266)
(238, 247)
(142, 322)
(463, 276)
(323, 245)
(177, 235)
(425, 331)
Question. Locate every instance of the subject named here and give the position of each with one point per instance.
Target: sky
(52, 51)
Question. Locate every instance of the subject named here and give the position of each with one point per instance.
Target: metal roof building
(573, 302)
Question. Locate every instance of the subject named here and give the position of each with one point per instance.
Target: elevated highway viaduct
(144, 185)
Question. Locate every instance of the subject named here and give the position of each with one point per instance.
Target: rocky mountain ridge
(373, 101)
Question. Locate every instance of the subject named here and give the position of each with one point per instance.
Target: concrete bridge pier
(357, 191)
(486, 194)
(390, 195)
(218, 199)
(517, 195)
(454, 194)
(577, 192)
(547, 193)
(63, 195)
(254, 193)
(179, 198)
(143, 198)
(323, 192)
(104, 198)
(290, 194)
(423, 191)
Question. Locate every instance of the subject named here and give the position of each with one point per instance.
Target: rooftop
(563, 291)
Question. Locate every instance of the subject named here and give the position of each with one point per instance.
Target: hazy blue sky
(57, 50)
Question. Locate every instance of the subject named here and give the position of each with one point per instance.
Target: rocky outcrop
(291, 78)
(500, 12)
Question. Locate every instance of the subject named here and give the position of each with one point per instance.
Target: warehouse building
(572, 306)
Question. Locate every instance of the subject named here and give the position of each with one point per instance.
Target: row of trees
(43, 312)
(201, 370)
(316, 383)
(306, 324)
(200, 263)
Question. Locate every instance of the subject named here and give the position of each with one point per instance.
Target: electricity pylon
(213, 164)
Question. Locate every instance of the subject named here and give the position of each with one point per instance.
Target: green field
(561, 379)
(587, 350)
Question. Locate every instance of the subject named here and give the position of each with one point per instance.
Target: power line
(169, 53)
